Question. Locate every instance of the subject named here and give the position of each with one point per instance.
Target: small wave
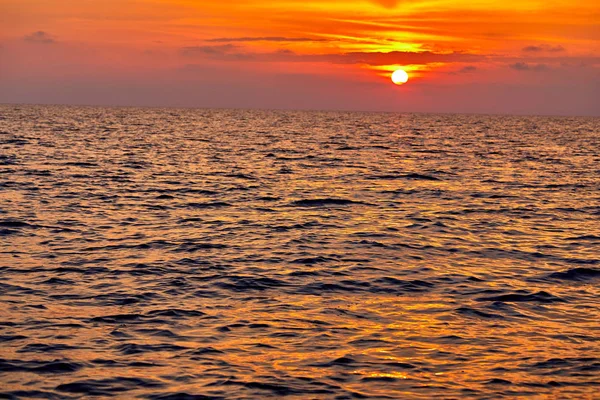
(313, 260)
(350, 361)
(191, 247)
(182, 396)
(108, 387)
(38, 173)
(472, 312)
(324, 202)
(568, 366)
(586, 238)
(116, 319)
(33, 394)
(8, 160)
(203, 351)
(155, 244)
(134, 348)
(539, 297)
(7, 288)
(411, 176)
(45, 348)
(394, 284)
(11, 338)
(305, 273)
(124, 364)
(240, 176)
(243, 284)
(175, 312)
(150, 316)
(310, 386)
(40, 367)
(498, 381)
(576, 274)
(371, 243)
(304, 225)
(166, 333)
(82, 164)
(58, 281)
(212, 204)
(325, 287)
(14, 223)
(17, 141)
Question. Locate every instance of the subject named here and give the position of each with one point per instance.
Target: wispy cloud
(40, 37)
(543, 48)
(522, 66)
(265, 39)
(230, 52)
(467, 69)
(464, 70)
(222, 52)
(399, 57)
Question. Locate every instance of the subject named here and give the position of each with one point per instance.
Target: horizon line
(330, 110)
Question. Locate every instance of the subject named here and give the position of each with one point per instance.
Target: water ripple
(227, 254)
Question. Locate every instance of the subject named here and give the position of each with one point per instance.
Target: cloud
(394, 58)
(464, 70)
(40, 37)
(222, 52)
(398, 57)
(230, 52)
(265, 39)
(467, 69)
(543, 48)
(522, 66)
(216, 50)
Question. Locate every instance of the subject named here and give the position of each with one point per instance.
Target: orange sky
(487, 56)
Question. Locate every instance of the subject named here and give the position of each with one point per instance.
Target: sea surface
(229, 254)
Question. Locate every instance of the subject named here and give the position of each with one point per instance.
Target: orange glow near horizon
(357, 42)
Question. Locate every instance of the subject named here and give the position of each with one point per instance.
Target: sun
(399, 77)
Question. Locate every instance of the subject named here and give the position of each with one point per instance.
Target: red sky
(522, 57)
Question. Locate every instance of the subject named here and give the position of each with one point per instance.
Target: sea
(181, 254)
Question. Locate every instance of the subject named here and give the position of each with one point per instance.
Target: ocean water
(206, 254)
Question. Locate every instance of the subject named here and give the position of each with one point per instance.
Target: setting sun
(399, 77)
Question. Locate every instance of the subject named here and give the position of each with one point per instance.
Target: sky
(484, 56)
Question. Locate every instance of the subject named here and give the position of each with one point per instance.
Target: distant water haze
(231, 88)
(196, 254)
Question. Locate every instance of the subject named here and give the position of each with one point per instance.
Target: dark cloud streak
(543, 48)
(468, 68)
(230, 52)
(40, 37)
(522, 66)
(397, 57)
(265, 39)
(226, 52)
